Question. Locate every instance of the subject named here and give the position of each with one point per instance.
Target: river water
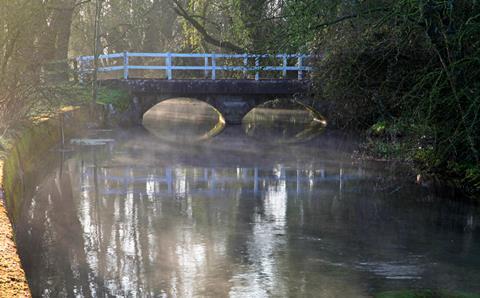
(270, 209)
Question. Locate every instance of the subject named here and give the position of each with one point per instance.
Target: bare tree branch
(206, 36)
(347, 17)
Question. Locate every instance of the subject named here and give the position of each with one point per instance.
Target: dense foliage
(410, 68)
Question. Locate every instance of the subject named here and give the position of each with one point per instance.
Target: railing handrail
(191, 55)
(210, 63)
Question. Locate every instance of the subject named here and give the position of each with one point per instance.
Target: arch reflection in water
(282, 125)
(183, 120)
(120, 222)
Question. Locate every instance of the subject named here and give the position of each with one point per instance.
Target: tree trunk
(62, 42)
(53, 46)
(152, 41)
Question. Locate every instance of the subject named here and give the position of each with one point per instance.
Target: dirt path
(12, 277)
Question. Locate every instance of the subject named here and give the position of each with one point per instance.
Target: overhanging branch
(206, 36)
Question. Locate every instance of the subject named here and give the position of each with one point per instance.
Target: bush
(410, 62)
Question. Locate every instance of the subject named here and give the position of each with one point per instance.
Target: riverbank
(18, 159)
(13, 282)
(396, 143)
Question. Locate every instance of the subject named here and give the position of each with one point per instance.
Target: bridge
(233, 84)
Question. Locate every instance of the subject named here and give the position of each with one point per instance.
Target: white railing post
(206, 65)
(245, 65)
(168, 61)
(300, 65)
(257, 67)
(214, 66)
(125, 65)
(80, 69)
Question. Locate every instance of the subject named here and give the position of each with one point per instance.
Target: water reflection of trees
(179, 230)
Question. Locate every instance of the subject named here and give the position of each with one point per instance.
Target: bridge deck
(205, 86)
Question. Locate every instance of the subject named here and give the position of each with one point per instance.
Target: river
(270, 209)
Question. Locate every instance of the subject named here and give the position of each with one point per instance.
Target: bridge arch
(193, 108)
(231, 108)
(233, 99)
(177, 119)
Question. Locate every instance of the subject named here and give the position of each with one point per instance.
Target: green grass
(75, 94)
(118, 98)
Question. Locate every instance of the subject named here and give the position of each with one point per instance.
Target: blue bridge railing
(247, 65)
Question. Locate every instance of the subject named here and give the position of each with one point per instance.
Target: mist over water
(246, 213)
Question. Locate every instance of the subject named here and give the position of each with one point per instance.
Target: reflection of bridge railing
(212, 180)
(251, 63)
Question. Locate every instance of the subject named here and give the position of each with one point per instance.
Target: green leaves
(415, 62)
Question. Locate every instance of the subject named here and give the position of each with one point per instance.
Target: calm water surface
(242, 214)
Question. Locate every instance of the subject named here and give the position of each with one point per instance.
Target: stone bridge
(233, 99)
(233, 95)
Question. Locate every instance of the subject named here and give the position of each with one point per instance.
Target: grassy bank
(71, 93)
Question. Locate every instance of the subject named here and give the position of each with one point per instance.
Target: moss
(118, 98)
(29, 144)
(33, 140)
(11, 187)
(378, 128)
